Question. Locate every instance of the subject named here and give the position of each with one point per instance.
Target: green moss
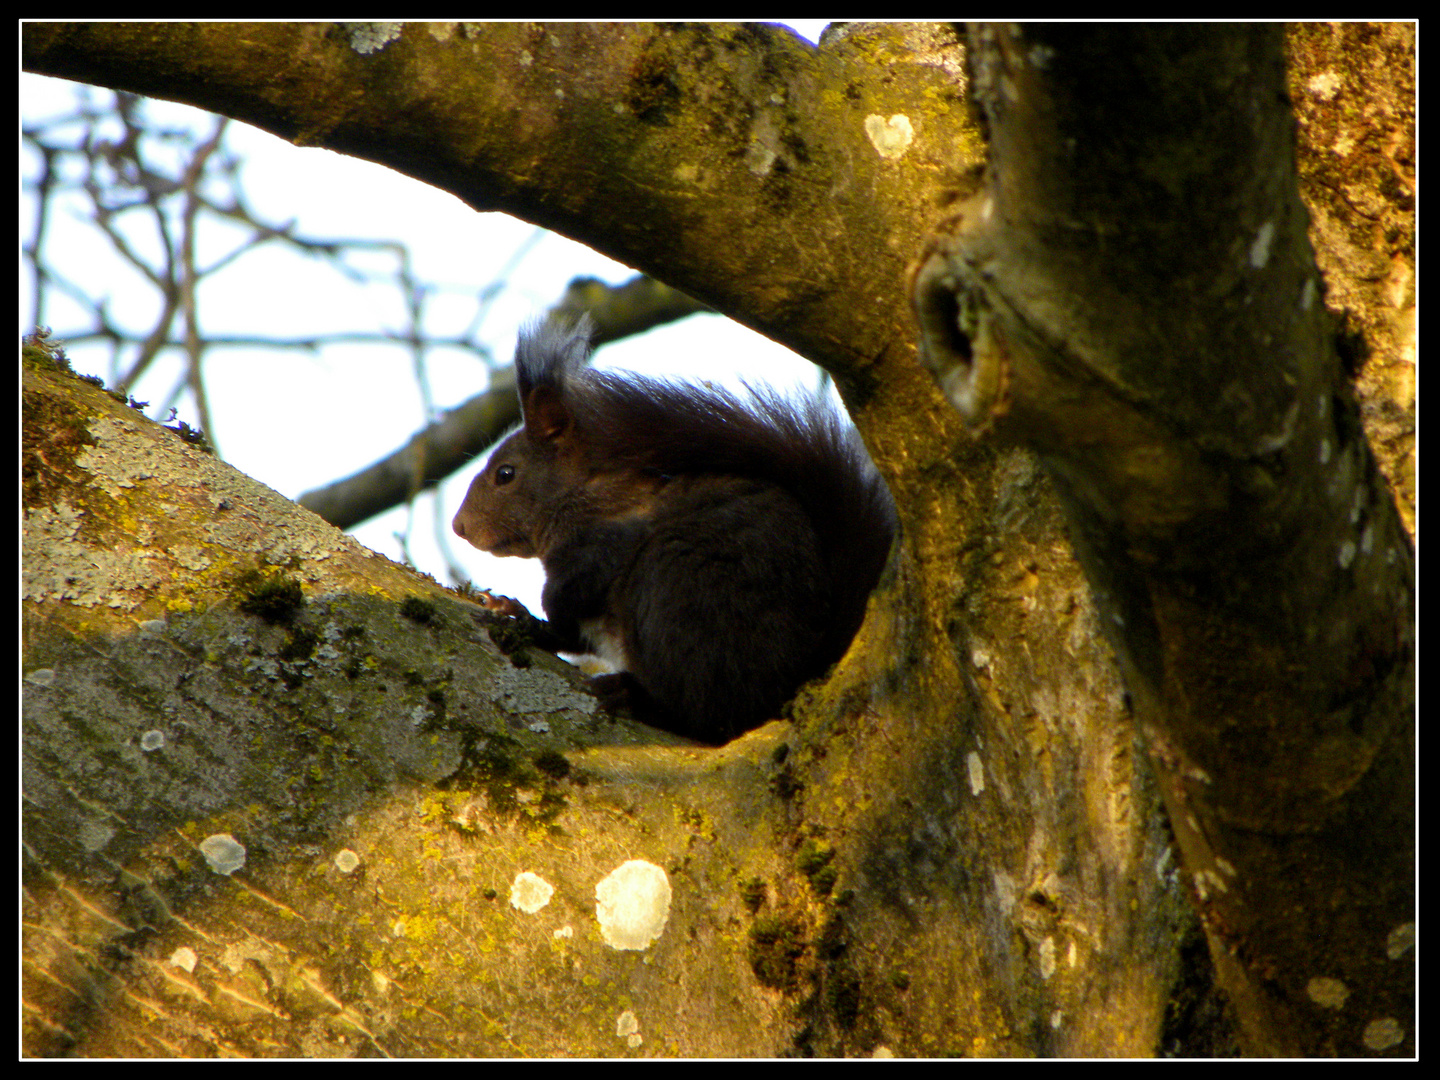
(814, 861)
(417, 610)
(785, 783)
(510, 638)
(273, 597)
(752, 893)
(843, 996)
(37, 348)
(500, 768)
(832, 941)
(300, 645)
(776, 945)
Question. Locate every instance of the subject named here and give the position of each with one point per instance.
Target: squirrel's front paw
(501, 605)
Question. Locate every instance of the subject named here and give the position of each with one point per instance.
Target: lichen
(632, 905)
(370, 37)
(529, 892)
(223, 853)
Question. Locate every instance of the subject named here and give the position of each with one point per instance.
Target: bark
(1134, 295)
(956, 846)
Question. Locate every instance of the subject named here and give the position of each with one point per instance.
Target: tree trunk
(957, 845)
(1134, 295)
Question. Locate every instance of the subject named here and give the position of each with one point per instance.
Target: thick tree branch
(1134, 295)
(764, 202)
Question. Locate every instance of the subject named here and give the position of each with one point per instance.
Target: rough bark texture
(957, 845)
(1135, 296)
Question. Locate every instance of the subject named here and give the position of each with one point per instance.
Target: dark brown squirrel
(719, 551)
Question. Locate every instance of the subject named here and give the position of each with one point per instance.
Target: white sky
(296, 420)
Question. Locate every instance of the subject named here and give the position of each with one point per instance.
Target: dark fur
(726, 547)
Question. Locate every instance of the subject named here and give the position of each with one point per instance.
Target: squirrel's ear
(546, 417)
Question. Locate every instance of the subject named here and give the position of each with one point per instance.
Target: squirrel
(717, 551)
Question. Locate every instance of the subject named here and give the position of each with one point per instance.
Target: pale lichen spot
(152, 740)
(1346, 555)
(1004, 891)
(223, 852)
(627, 1027)
(346, 861)
(632, 905)
(976, 769)
(1208, 881)
(760, 159)
(1323, 84)
(1327, 992)
(534, 690)
(530, 892)
(1383, 1033)
(1260, 248)
(1047, 958)
(1400, 939)
(184, 958)
(1357, 504)
(95, 835)
(891, 138)
(369, 37)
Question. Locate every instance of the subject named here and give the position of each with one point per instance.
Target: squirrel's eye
(504, 474)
